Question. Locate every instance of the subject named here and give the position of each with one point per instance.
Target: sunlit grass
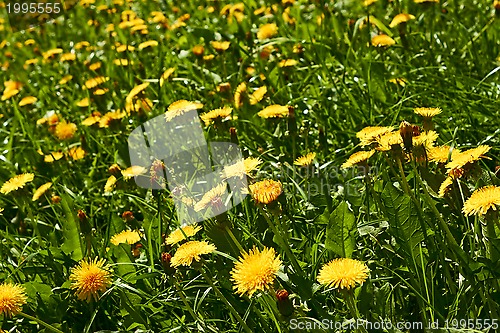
(299, 86)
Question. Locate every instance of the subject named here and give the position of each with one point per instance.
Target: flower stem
(184, 300)
(351, 304)
(233, 238)
(41, 322)
(226, 302)
(492, 235)
(283, 243)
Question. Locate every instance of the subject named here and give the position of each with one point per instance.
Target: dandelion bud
(55, 199)
(285, 305)
(115, 170)
(166, 259)
(234, 136)
(406, 132)
(136, 250)
(84, 222)
(128, 216)
(224, 87)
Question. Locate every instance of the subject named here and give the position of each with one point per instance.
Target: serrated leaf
(73, 243)
(341, 231)
(404, 225)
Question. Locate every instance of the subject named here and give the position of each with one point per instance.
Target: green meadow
(369, 171)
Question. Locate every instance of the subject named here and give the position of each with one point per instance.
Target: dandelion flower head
(343, 273)
(255, 270)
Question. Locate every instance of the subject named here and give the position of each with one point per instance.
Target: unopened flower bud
(406, 132)
(166, 258)
(285, 305)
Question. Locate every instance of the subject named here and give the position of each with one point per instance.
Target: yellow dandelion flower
(274, 111)
(94, 82)
(482, 200)
(305, 160)
(399, 81)
(65, 130)
(287, 17)
(176, 25)
(83, 103)
(426, 139)
(241, 168)
(190, 251)
(149, 43)
(54, 156)
(81, 45)
(343, 273)
(257, 95)
(164, 77)
(440, 154)
(95, 66)
(267, 31)
(28, 101)
(382, 40)
(65, 79)
(92, 119)
(124, 47)
(401, 19)
(178, 235)
(30, 62)
(220, 113)
(220, 46)
(134, 170)
(241, 88)
(357, 158)
(122, 62)
(266, 191)
(445, 186)
(12, 298)
(110, 184)
(67, 57)
(367, 3)
(287, 63)
(100, 91)
(16, 182)
(388, 140)
(126, 237)
(427, 112)
(76, 153)
(255, 270)
(105, 120)
(468, 156)
(9, 92)
(180, 107)
(426, 1)
(261, 10)
(90, 277)
(136, 91)
(50, 53)
(369, 135)
(210, 197)
(40, 191)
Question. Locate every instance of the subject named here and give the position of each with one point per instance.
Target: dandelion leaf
(341, 231)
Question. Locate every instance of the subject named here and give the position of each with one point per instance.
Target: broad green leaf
(340, 232)
(404, 225)
(71, 229)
